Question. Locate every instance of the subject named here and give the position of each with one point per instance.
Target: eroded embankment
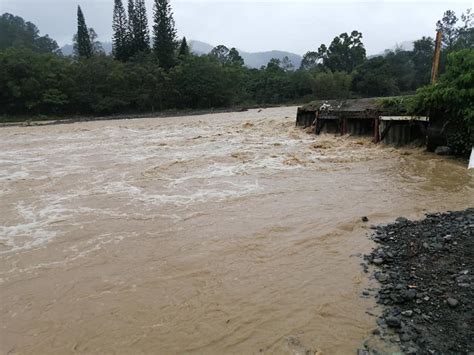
(217, 233)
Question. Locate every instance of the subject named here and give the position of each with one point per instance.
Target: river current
(221, 233)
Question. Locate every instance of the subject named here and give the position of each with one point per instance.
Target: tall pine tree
(141, 30)
(131, 31)
(83, 44)
(120, 38)
(138, 32)
(164, 34)
(183, 48)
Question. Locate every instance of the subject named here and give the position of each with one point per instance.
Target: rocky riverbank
(425, 271)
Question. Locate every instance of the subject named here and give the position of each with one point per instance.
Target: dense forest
(156, 71)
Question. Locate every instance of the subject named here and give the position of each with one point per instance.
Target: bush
(452, 98)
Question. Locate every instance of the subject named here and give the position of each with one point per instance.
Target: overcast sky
(296, 26)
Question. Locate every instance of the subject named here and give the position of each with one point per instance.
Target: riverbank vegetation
(156, 72)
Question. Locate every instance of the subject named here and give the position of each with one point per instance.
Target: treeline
(154, 72)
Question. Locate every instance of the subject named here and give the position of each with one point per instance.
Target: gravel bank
(425, 269)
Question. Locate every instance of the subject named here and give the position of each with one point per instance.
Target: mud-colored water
(224, 233)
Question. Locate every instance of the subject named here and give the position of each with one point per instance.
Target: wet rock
(393, 322)
(409, 294)
(377, 261)
(418, 264)
(443, 150)
(452, 302)
(405, 337)
(381, 277)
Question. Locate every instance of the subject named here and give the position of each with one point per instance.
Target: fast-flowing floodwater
(222, 233)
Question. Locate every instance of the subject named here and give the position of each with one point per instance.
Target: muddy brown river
(224, 233)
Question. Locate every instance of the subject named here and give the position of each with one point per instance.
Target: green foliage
(226, 56)
(183, 48)
(452, 98)
(422, 57)
(33, 82)
(16, 33)
(121, 39)
(397, 104)
(202, 82)
(140, 41)
(331, 85)
(456, 37)
(310, 61)
(164, 34)
(344, 53)
(82, 44)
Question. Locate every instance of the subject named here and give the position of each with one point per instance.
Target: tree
(226, 56)
(345, 52)
(120, 39)
(466, 31)
(310, 60)
(274, 65)
(183, 48)
(141, 33)
(234, 58)
(202, 82)
(131, 21)
(32, 82)
(456, 37)
(95, 44)
(331, 85)
(447, 25)
(221, 53)
(451, 100)
(82, 44)
(15, 32)
(164, 34)
(423, 50)
(286, 64)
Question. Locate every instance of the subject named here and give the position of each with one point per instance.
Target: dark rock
(401, 220)
(409, 294)
(393, 322)
(365, 219)
(452, 302)
(405, 337)
(381, 277)
(419, 264)
(443, 150)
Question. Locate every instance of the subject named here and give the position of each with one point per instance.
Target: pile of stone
(426, 272)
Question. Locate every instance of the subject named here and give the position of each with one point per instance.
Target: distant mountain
(68, 48)
(200, 48)
(252, 60)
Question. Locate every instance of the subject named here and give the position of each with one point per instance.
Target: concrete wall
(305, 118)
(359, 127)
(404, 132)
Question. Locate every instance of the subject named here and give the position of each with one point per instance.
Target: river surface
(222, 233)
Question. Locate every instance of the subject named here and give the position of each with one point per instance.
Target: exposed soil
(426, 276)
